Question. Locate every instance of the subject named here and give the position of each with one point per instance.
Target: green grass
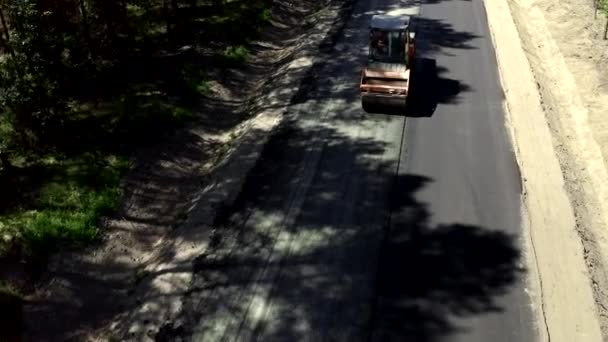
(234, 55)
(60, 203)
(195, 80)
(66, 207)
(203, 87)
(158, 112)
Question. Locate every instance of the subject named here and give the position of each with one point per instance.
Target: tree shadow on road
(313, 274)
(337, 270)
(431, 274)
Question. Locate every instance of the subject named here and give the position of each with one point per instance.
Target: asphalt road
(357, 226)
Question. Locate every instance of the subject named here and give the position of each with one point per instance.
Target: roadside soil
(570, 68)
(132, 282)
(566, 96)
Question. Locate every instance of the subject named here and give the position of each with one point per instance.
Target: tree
(31, 77)
(5, 36)
(602, 6)
(85, 26)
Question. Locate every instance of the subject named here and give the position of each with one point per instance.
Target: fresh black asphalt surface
(359, 226)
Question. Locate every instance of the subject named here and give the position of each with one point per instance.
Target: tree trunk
(167, 15)
(595, 13)
(6, 166)
(596, 5)
(176, 21)
(606, 29)
(86, 27)
(3, 42)
(6, 32)
(4, 25)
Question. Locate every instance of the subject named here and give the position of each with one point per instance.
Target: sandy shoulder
(574, 86)
(560, 281)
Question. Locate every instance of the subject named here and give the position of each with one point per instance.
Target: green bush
(266, 15)
(235, 54)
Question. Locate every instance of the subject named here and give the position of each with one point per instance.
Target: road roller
(385, 79)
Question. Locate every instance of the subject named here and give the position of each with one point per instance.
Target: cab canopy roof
(390, 22)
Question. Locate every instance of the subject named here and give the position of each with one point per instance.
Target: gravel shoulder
(549, 58)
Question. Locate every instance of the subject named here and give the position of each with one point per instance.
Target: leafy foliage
(99, 76)
(235, 54)
(31, 77)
